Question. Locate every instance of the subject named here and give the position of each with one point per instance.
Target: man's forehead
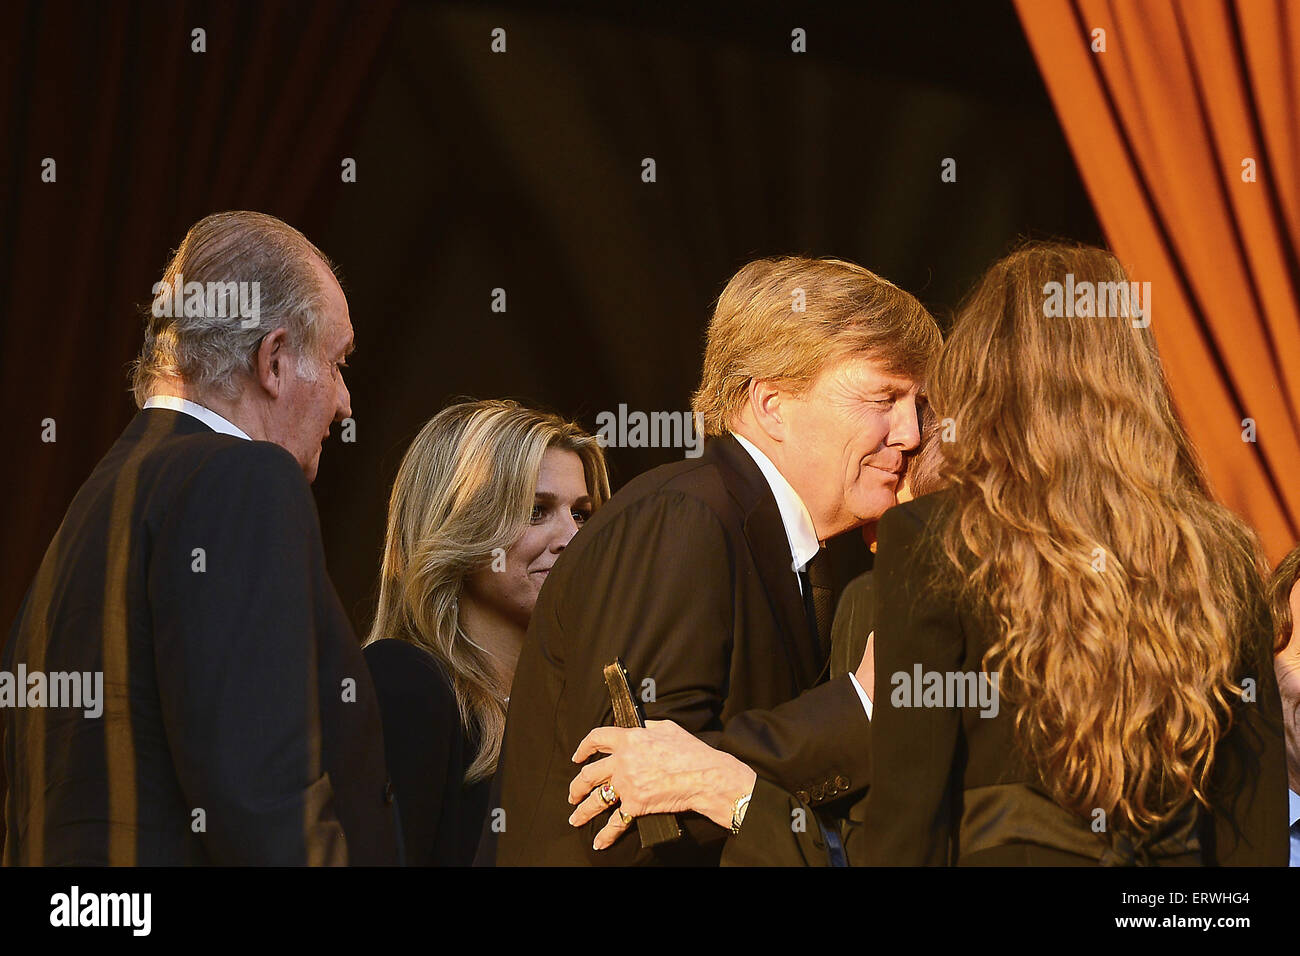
(331, 286)
(340, 336)
(869, 372)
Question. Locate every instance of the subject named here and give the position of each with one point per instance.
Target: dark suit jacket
(783, 829)
(239, 725)
(686, 574)
(855, 616)
(934, 767)
(428, 752)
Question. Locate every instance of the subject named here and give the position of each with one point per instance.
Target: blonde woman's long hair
(1122, 595)
(465, 488)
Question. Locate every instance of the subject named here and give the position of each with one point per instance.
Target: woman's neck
(497, 635)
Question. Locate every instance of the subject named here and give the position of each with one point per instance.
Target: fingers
(611, 831)
(601, 740)
(584, 789)
(590, 808)
(589, 778)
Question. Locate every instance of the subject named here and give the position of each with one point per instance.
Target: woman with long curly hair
(1075, 570)
(486, 499)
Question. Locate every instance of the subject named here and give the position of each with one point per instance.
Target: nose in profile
(344, 409)
(566, 529)
(905, 429)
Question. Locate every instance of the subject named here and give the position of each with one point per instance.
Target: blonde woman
(1073, 644)
(486, 499)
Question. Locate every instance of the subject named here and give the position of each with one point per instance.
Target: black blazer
(428, 752)
(855, 617)
(782, 829)
(239, 724)
(950, 785)
(942, 776)
(686, 574)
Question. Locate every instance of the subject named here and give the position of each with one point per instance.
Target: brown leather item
(654, 828)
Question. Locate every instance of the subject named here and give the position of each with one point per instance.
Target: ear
(767, 404)
(268, 366)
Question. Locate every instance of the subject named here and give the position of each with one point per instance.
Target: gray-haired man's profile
(239, 723)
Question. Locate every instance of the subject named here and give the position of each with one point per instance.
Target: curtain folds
(1186, 133)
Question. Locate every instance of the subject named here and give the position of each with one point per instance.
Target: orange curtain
(1188, 102)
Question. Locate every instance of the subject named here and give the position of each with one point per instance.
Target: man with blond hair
(708, 577)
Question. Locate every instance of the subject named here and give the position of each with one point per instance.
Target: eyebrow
(896, 387)
(547, 498)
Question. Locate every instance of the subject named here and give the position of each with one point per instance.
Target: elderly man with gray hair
(239, 724)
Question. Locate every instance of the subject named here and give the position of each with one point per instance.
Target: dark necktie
(819, 600)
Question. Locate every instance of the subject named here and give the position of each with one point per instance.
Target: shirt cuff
(862, 694)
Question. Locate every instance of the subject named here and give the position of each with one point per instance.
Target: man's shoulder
(212, 464)
(213, 451)
(164, 447)
(219, 482)
(698, 476)
(692, 495)
(158, 462)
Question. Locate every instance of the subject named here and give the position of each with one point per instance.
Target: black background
(478, 170)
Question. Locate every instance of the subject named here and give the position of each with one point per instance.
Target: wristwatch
(738, 811)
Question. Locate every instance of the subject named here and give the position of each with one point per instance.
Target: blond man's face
(850, 437)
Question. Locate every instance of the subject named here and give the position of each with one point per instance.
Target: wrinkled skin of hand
(660, 768)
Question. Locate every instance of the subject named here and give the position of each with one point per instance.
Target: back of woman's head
(1122, 596)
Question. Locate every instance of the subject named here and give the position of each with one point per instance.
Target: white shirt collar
(1295, 806)
(798, 522)
(206, 415)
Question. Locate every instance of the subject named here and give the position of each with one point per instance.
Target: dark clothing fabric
(853, 623)
(951, 787)
(686, 574)
(818, 587)
(935, 765)
(781, 829)
(239, 724)
(428, 751)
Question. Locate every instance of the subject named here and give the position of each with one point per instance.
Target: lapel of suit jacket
(770, 547)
